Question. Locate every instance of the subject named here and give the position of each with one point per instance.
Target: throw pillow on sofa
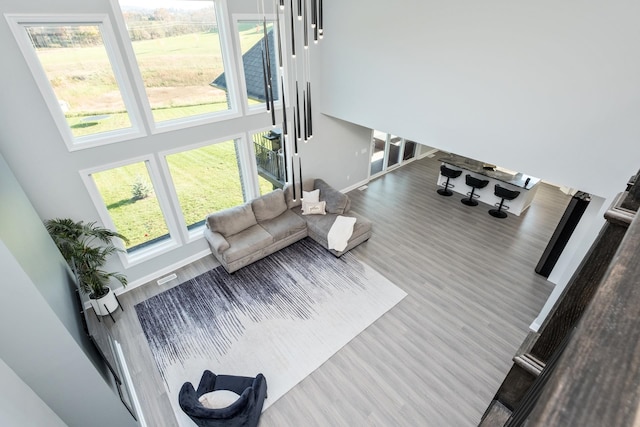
(311, 196)
(313, 208)
(307, 185)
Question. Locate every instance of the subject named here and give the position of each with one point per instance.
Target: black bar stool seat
(449, 173)
(504, 194)
(474, 183)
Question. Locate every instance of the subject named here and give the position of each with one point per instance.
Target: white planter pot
(106, 304)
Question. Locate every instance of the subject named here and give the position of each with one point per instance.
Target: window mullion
(131, 66)
(165, 201)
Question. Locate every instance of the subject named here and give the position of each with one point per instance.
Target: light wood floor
(437, 358)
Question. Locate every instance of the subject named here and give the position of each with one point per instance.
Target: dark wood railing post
(539, 348)
(596, 381)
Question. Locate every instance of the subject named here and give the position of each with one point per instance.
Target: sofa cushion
(284, 225)
(217, 241)
(307, 185)
(269, 206)
(231, 221)
(336, 201)
(347, 207)
(319, 225)
(247, 242)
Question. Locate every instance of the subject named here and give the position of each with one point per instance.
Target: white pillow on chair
(218, 399)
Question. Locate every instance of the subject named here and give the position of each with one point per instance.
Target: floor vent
(166, 279)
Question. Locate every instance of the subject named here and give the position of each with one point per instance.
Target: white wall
(43, 341)
(336, 155)
(548, 88)
(20, 406)
(41, 351)
(22, 231)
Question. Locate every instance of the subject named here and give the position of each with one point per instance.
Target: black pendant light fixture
(304, 17)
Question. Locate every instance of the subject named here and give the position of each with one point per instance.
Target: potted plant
(86, 248)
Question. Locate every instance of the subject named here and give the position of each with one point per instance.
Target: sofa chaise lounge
(243, 234)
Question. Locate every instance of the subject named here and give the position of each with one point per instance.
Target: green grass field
(176, 72)
(206, 180)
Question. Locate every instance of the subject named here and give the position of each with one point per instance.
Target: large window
(78, 67)
(80, 76)
(133, 208)
(169, 66)
(206, 179)
(389, 151)
(179, 53)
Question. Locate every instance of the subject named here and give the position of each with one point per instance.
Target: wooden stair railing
(527, 385)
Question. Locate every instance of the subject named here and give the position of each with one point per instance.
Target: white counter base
(485, 195)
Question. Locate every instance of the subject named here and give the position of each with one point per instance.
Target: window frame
(175, 239)
(189, 236)
(228, 60)
(18, 24)
(261, 108)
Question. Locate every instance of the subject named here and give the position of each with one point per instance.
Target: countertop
(517, 179)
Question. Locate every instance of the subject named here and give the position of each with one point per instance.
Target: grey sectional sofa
(243, 234)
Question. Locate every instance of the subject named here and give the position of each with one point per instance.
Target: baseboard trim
(354, 186)
(163, 272)
(156, 275)
(427, 153)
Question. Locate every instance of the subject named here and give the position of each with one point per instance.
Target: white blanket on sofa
(340, 232)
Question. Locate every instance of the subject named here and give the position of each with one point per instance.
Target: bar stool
(449, 173)
(474, 183)
(504, 194)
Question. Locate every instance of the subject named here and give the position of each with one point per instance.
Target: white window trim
(141, 93)
(17, 23)
(261, 108)
(248, 164)
(194, 234)
(153, 250)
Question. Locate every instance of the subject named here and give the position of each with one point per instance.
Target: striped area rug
(283, 316)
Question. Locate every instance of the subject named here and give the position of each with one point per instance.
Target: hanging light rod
(320, 23)
(293, 33)
(306, 27)
(297, 117)
(280, 62)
